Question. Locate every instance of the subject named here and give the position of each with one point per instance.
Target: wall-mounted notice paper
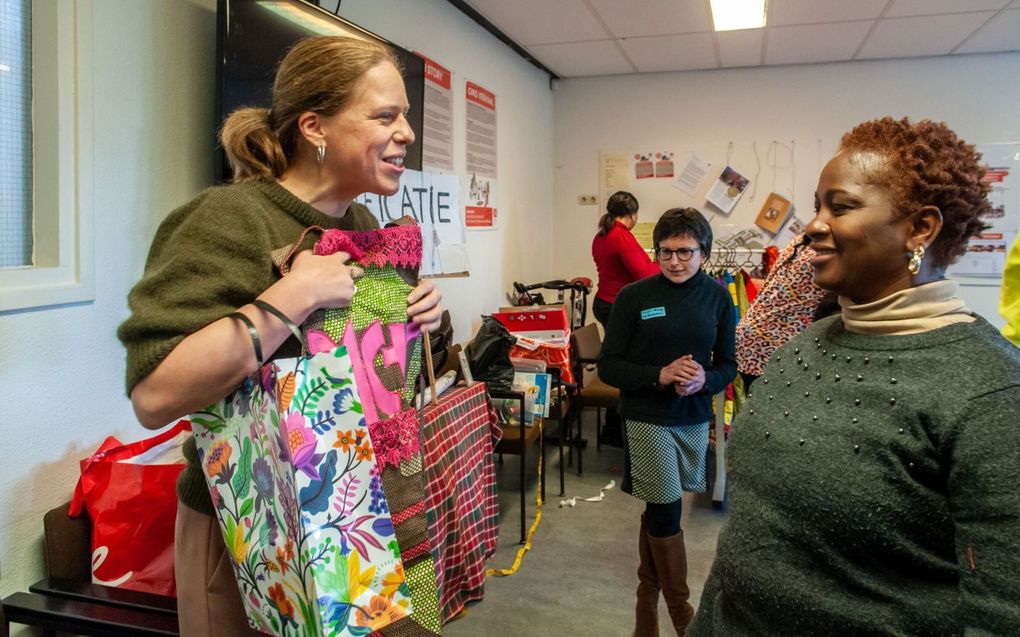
(437, 127)
(727, 189)
(690, 178)
(481, 131)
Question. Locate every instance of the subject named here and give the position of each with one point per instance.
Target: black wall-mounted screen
(254, 35)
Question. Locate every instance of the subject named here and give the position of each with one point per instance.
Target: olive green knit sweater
(874, 490)
(210, 257)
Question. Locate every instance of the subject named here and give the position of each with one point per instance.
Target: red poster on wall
(479, 217)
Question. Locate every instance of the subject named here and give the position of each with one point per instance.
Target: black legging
(601, 309)
(662, 520)
(614, 428)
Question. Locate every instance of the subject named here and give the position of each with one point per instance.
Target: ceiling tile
(653, 17)
(575, 59)
(903, 8)
(740, 48)
(924, 35)
(1002, 33)
(541, 22)
(815, 43)
(788, 12)
(671, 52)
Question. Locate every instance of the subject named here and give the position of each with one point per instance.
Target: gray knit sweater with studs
(874, 490)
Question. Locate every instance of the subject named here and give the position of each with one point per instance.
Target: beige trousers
(208, 600)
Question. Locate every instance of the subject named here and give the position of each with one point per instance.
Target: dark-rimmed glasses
(684, 254)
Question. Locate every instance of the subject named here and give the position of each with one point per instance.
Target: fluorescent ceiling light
(731, 15)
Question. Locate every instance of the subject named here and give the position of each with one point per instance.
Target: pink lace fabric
(395, 439)
(399, 246)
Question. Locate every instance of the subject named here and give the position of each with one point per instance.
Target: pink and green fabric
(386, 351)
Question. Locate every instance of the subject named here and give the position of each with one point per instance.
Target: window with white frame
(46, 145)
(15, 133)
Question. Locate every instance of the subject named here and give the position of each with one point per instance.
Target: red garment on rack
(768, 259)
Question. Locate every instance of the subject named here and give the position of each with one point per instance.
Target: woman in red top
(618, 257)
(619, 261)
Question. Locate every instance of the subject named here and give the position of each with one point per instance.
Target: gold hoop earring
(320, 153)
(914, 265)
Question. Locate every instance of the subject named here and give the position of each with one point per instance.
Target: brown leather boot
(647, 611)
(670, 557)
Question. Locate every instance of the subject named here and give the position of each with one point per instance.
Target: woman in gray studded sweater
(874, 487)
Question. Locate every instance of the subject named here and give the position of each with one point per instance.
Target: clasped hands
(684, 374)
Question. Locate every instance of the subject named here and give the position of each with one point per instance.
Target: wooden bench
(67, 601)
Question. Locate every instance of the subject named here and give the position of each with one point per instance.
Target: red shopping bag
(129, 491)
(552, 354)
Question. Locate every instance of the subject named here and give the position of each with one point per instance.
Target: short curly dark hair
(929, 166)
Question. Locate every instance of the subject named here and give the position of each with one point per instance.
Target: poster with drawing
(664, 165)
(480, 211)
(644, 167)
(726, 191)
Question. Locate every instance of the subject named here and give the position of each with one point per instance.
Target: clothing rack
(726, 256)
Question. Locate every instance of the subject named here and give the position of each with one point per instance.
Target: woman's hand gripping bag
(386, 353)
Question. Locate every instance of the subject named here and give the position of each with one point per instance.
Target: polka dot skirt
(666, 460)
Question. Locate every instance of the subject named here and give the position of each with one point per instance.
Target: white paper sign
(434, 201)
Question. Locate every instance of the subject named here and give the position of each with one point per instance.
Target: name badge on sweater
(653, 312)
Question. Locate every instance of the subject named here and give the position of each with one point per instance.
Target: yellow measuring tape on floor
(505, 572)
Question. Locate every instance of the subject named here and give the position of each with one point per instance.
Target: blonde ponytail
(253, 150)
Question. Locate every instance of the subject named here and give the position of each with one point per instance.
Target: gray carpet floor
(580, 576)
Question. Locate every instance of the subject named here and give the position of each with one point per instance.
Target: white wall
(811, 105)
(63, 368)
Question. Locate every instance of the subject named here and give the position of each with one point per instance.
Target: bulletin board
(769, 178)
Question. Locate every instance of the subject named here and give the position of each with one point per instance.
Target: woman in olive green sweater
(874, 470)
(336, 129)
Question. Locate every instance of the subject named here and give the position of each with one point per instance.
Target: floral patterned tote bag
(289, 462)
(386, 354)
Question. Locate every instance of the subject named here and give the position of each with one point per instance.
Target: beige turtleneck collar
(911, 311)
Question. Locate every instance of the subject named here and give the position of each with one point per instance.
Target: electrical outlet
(587, 200)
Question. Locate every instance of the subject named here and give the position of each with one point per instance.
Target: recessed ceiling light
(731, 15)
(4, 67)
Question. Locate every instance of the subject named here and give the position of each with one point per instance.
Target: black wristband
(263, 305)
(256, 342)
